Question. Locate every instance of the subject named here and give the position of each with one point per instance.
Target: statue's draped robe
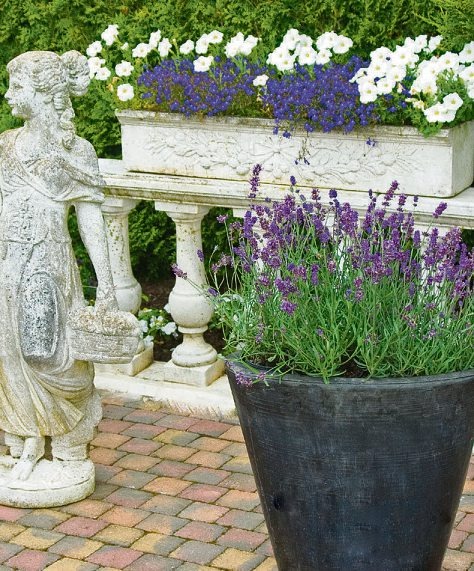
(43, 391)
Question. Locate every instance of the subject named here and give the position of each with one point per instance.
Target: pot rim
(233, 363)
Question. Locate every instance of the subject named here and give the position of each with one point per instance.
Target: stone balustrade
(186, 200)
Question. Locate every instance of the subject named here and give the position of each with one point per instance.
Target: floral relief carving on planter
(227, 148)
(198, 149)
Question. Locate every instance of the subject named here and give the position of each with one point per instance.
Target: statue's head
(40, 78)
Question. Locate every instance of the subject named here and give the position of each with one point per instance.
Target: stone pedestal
(194, 361)
(52, 483)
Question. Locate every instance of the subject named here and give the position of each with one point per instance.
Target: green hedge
(61, 25)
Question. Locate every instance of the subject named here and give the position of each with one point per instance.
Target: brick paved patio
(173, 492)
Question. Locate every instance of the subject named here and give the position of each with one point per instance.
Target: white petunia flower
(467, 53)
(164, 47)
(203, 63)
(377, 68)
(467, 74)
(202, 45)
(304, 41)
(125, 92)
(449, 61)
(143, 325)
(396, 73)
(367, 92)
(381, 55)
(215, 37)
(141, 50)
(286, 62)
(290, 39)
(234, 45)
(327, 41)
(249, 43)
(452, 101)
(417, 103)
(404, 56)
(420, 43)
(307, 56)
(359, 75)
(110, 34)
(95, 63)
(277, 54)
(260, 80)
(124, 68)
(102, 74)
(187, 47)
(169, 328)
(148, 340)
(342, 45)
(323, 57)
(438, 113)
(434, 42)
(385, 86)
(94, 49)
(231, 50)
(470, 90)
(154, 39)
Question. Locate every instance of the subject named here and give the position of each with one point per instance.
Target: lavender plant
(323, 290)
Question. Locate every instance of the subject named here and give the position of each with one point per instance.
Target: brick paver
(173, 491)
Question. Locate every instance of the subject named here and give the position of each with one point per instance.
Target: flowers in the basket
(315, 83)
(313, 285)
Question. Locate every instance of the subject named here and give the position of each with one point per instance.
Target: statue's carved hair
(59, 76)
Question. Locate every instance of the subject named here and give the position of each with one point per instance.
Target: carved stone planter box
(227, 148)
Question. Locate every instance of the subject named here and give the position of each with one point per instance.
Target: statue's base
(51, 484)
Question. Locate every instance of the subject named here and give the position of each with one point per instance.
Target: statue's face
(21, 95)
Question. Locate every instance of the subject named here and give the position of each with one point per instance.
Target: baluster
(195, 361)
(127, 289)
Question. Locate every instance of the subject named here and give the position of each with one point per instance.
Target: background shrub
(61, 25)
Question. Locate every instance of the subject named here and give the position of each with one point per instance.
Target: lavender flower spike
(178, 272)
(440, 209)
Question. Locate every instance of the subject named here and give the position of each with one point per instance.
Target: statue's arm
(92, 229)
(2, 154)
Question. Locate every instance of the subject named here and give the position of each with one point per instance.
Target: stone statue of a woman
(44, 391)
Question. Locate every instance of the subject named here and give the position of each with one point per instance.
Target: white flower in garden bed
(125, 92)
(187, 47)
(203, 63)
(110, 34)
(156, 323)
(102, 74)
(94, 49)
(141, 50)
(154, 39)
(123, 69)
(164, 47)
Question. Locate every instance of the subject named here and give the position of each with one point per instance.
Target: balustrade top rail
(182, 190)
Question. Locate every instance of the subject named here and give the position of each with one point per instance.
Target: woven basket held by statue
(103, 337)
